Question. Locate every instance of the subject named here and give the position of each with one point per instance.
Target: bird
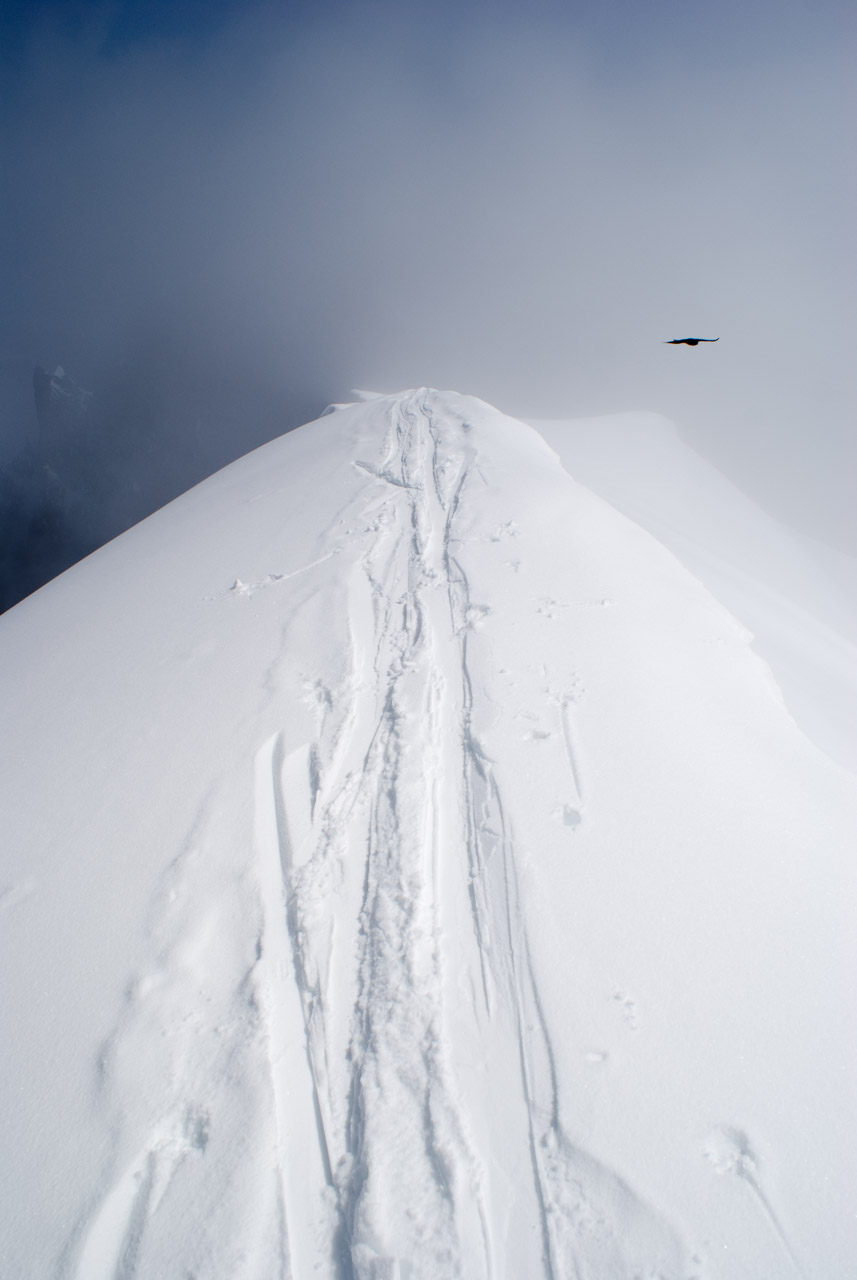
(689, 342)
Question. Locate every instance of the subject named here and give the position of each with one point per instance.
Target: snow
(411, 870)
(798, 597)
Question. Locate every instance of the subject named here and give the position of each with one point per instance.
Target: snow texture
(410, 871)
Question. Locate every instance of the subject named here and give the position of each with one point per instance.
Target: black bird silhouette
(689, 342)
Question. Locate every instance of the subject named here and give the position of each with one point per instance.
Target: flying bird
(689, 342)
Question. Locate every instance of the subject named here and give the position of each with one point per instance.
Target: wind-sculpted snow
(442, 892)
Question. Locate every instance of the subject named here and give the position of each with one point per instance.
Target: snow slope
(411, 871)
(799, 598)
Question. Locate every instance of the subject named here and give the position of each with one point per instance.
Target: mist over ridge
(217, 229)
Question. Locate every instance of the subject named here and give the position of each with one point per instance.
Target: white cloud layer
(523, 207)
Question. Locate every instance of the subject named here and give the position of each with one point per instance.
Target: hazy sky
(516, 200)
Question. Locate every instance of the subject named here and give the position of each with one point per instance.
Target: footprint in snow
(537, 735)
(571, 817)
(629, 1009)
(547, 607)
(568, 814)
(728, 1150)
(509, 529)
(574, 691)
(475, 615)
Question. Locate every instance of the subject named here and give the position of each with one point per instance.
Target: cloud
(522, 207)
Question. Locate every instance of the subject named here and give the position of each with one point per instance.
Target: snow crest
(446, 864)
(416, 1080)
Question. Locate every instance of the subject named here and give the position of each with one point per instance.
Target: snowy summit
(411, 872)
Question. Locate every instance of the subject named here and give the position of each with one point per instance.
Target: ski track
(400, 1084)
(729, 1151)
(403, 791)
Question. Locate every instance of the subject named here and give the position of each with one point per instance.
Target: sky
(219, 217)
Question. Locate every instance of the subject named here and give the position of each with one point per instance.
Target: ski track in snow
(729, 1151)
(405, 1113)
(406, 793)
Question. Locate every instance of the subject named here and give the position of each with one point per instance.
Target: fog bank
(218, 229)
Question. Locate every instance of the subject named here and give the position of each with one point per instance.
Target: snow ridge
(472, 812)
(401, 789)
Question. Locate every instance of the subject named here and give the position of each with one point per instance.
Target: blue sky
(519, 201)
